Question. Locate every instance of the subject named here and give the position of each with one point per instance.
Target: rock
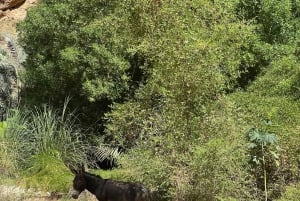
(8, 4)
(2, 13)
(12, 57)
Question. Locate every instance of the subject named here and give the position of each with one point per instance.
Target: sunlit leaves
(77, 53)
(260, 137)
(263, 143)
(276, 19)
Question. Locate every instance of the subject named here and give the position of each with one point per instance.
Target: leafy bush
(292, 193)
(277, 20)
(152, 170)
(281, 79)
(283, 113)
(205, 158)
(76, 53)
(219, 172)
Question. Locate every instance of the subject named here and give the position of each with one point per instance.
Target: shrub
(292, 193)
(152, 170)
(219, 172)
(284, 115)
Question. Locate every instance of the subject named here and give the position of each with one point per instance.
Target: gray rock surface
(11, 59)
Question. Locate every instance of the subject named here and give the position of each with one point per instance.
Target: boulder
(12, 57)
(2, 13)
(8, 4)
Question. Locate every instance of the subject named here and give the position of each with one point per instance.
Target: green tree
(77, 49)
(99, 52)
(278, 21)
(197, 51)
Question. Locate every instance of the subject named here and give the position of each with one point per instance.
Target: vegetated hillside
(203, 95)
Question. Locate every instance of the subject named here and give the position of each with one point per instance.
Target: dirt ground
(15, 193)
(10, 18)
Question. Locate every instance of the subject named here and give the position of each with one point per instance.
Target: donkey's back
(122, 191)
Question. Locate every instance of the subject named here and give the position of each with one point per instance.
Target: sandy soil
(10, 193)
(15, 193)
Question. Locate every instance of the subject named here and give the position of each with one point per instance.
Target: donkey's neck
(93, 182)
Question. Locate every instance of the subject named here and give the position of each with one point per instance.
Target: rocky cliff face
(11, 59)
(7, 4)
(11, 54)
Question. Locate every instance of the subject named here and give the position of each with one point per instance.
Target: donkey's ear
(74, 171)
(81, 169)
(71, 168)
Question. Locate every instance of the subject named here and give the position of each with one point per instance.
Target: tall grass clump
(15, 142)
(39, 132)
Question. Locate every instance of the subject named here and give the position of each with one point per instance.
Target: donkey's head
(79, 183)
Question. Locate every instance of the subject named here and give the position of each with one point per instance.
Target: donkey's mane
(93, 175)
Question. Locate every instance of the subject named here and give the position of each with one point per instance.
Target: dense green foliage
(178, 84)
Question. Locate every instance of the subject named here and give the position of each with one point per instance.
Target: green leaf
(270, 138)
(255, 135)
(251, 145)
(274, 154)
(255, 160)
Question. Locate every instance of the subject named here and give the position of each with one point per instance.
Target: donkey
(107, 189)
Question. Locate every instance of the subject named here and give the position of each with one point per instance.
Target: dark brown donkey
(107, 189)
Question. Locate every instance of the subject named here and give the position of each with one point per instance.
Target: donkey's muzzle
(74, 194)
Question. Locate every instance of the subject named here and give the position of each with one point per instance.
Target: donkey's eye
(79, 184)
